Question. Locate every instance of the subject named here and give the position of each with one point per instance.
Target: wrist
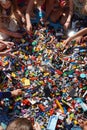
(67, 21)
(12, 93)
(70, 39)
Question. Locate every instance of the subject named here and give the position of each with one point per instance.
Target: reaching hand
(17, 35)
(37, 126)
(66, 42)
(85, 38)
(16, 92)
(78, 39)
(29, 28)
(7, 52)
(9, 44)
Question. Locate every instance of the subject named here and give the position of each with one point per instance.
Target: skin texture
(6, 46)
(3, 29)
(77, 35)
(55, 14)
(29, 12)
(16, 92)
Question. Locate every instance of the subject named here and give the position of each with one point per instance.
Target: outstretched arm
(5, 53)
(9, 33)
(70, 14)
(28, 10)
(78, 34)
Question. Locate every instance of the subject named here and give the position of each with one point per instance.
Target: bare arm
(70, 11)
(78, 34)
(28, 10)
(21, 15)
(1, 41)
(5, 53)
(9, 33)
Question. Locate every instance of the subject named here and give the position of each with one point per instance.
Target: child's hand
(78, 39)
(29, 28)
(7, 52)
(67, 41)
(16, 92)
(37, 126)
(85, 38)
(9, 44)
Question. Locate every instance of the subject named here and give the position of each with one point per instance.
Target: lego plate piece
(52, 122)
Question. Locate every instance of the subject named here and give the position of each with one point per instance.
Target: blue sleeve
(5, 95)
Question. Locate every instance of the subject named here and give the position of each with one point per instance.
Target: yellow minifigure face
(6, 4)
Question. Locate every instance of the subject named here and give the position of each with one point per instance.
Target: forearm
(3, 42)
(28, 18)
(5, 31)
(3, 54)
(70, 11)
(80, 33)
(28, 10)
(9, 33)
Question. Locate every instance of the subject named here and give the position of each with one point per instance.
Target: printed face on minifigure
(6, 4)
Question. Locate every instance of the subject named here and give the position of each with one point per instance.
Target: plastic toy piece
(82, 104)
(42, 108)
(59, 105)
(33, 78)
(67, 103)
(26, 102)
(52, 122)
(58, 72)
